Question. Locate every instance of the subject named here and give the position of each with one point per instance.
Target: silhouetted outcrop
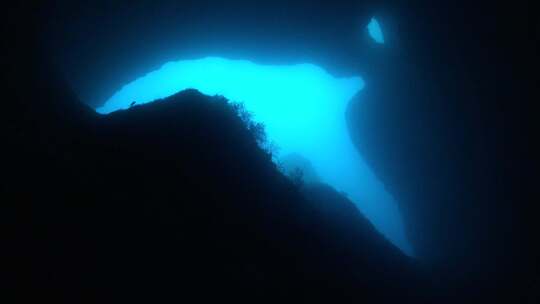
(175, 199)
(448, 129)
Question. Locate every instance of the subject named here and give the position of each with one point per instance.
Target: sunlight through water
(303, 109)
(375, 31)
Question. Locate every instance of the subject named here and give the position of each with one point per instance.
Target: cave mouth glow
(303, 110)
(375, 31)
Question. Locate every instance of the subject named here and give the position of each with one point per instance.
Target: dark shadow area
(452, 136)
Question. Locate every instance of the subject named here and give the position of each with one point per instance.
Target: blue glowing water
(375, 31)
(303, 110)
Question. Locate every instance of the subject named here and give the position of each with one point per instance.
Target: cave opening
(303, 109)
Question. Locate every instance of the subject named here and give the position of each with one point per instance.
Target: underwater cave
(303, 109)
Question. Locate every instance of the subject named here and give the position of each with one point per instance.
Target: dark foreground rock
(175, 199)
(447, 124)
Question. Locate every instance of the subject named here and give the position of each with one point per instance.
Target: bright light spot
(375, 31)
(303, 110)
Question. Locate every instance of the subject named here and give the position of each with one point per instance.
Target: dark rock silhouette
(167, 201)
(451, 136)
